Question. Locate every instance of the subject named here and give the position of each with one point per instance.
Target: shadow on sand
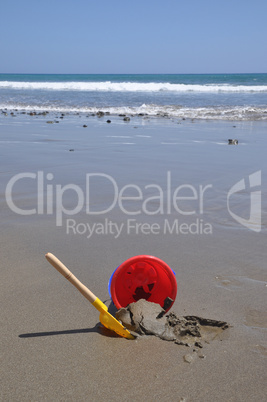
(98, 328)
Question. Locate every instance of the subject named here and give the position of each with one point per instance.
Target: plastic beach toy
(143, 277)
(105, 317)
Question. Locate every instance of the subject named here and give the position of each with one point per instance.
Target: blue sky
(83, 36)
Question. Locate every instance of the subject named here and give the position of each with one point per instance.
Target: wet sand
(52, 345)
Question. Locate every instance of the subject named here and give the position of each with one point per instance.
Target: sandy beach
(52, 345)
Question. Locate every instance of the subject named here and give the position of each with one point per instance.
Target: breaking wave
(171, 111)
(108, 86)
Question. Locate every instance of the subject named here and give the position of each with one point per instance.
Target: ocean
(195, 96)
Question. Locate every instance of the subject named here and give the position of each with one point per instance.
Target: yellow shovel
(105, 317)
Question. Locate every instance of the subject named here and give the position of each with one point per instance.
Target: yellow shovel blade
(109, 321)
(105, 318)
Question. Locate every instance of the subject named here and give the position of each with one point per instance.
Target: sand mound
(146, 318)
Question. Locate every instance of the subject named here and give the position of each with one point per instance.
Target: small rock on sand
(232, 141)
(188, 358)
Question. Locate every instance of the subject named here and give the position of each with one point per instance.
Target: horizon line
(222, 73)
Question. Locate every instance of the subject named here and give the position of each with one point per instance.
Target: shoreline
(207, 113)
(53, 347)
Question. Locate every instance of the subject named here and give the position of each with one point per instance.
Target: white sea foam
(108, 86)
(203, 113)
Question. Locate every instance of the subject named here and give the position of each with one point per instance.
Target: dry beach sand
(52, 345)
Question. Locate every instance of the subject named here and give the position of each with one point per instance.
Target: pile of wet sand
(147, 318)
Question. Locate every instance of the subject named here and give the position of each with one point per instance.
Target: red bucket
(143, 277)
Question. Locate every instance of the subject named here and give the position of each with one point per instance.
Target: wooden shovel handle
(61, 268)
